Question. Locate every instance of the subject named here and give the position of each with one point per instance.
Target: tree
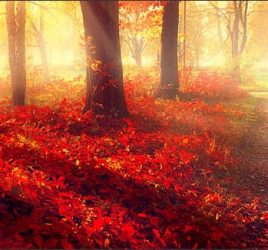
(238, 43)
(73, 11)
(105, 94)
(215, 31)
(194, 35)
(236, 16)
(15, 17)
(38, 31)
(139, 22)
(169, 82)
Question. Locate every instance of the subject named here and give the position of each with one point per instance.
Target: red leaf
(51, 243)
(187, 228)
(66, 244)
(143, 215)
(186, 157)
(158, 236)
(39, 241)
(264, 216)
(128, 230)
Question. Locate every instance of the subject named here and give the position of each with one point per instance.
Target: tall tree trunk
(15, 17)
(235, 37)
(240, 15)
(235, 44)
(169, 82)
(105, 94)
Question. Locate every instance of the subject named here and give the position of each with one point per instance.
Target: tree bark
(15, 17)
(169, 82)
(105, 94)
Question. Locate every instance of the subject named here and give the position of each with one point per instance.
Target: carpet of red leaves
(156, 180)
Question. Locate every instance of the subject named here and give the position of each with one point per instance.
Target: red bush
(213, 85)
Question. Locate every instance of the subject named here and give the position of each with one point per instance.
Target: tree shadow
(172, 211)
(99, 127)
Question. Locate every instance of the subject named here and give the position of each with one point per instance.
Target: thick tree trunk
(15, 16)
(169, 82)
(105, 94)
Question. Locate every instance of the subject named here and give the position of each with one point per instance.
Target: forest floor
(250, 179)
(187, 173)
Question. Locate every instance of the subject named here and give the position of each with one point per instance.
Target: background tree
(73, 11)
(216, 32)
(195, 33)
(139, 24)
(236, 17)
(105, 94)
(15, 17)
(169, 82)
(37, 28)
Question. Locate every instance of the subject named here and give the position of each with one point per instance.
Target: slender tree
(15, 17)
(240, 16)
(105, 94)
(169, 82)
(236, 16)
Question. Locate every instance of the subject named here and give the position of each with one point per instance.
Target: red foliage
(139, 16)
(212, 85)
(139, 4)
(68, 180)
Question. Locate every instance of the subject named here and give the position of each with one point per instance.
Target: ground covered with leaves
(168, 177)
